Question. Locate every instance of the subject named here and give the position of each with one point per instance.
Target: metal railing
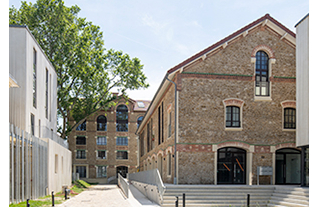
(123, 184)
(28, 166)
(151, 177)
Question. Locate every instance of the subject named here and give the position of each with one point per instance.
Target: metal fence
(28, 166)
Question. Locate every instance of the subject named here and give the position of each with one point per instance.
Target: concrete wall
(60, 166)
(22, 43)
(302, 61)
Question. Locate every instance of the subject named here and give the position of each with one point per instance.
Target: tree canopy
(86, 71)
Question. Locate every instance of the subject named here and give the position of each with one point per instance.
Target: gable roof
(276, 26)
(232, 36)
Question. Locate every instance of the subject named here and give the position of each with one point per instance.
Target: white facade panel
(302, 82)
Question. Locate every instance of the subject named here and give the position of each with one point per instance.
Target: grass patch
(46, 201)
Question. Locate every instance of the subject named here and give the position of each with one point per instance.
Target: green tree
(86, 72)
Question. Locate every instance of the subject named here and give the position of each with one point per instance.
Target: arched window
(139, 121)
(101, 123)
(289, 118)
(262, 74)
(122, 118)
(232, 116)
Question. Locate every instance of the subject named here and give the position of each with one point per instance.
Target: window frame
(101, 143)
(81, 127)
(76, 140)
(122, 124)
(260, 70)
(121, 141)
(101, 126)
(233, 102)
(79, 156)
(99, 173)
(123, 157)
(101, 157)
(232, 114)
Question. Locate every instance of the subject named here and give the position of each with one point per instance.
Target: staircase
(289, 196)
(218, 195)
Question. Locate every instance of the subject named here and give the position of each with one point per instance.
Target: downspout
(175, 180)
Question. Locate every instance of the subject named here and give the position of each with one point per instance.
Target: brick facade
(225, 76)
(91, 162)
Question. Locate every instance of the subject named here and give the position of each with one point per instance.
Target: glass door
(231, 166)
(288, 166)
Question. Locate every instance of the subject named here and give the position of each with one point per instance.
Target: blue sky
(164, 33)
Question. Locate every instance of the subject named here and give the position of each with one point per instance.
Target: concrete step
(235, 192)
(213, 197)
(292, 192)
(286, 204)
(215, 204)
(290, 200)
(291, 196)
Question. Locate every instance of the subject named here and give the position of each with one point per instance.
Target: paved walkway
(108, 196)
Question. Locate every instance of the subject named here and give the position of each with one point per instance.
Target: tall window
(139, 121)
(34, 91)
(290, 118)
(122, 118)
(169, 163)
(101, 172)
(81, 127)
(262, 74)
(32, 124)
(170, 124)
(46, 93)
(101, 123)
(232, 116)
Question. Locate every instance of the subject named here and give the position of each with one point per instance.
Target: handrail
(151, 177)
(123, 184)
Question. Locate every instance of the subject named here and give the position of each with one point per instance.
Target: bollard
(52, 198)
(176, 202)
(28, 205)
(248, 200)
(183, 199)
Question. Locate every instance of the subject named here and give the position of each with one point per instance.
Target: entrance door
(231, 166)
(122, 170)
(81, 170)
(288, 166)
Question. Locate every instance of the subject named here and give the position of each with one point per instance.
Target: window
(232, 116)
(122, 118)
(122, 141)
(101, 172)
(101, 154)
(34, 88)
(159, 125)
(121, 155)
(80, 140)
(32, 124)
(169, 164)
(289, 118)
(81, 127)
(101, 141)
(140, 104)
(81, 170)
(46, 93)
(262, 74)
(170, 124)
(80, 154)
(56, 163)
(101, 123)
(139, 121)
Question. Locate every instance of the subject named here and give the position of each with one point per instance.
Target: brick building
(105, 144)
(235, 110)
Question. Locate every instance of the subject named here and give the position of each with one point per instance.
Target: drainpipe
(175, 180)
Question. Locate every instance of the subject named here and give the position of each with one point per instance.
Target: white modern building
(33, 109)
(302, 93)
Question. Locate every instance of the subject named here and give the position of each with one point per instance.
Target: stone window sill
(233, 129)
(288, 130)
(262, 98)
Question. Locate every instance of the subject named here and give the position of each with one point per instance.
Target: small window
(56, 163)
(121, 155)
(32, 124)
(122, 141)
(101, 154)
(169, 164)
(289, 118)
(80, 154)
(80, 140)
(101, 172)
(140, 104)
(101, 123)
(232, 116)
(81, 127)
(101, 141)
